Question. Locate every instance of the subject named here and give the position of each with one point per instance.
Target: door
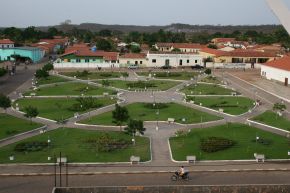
(167, 63)
(286, 81)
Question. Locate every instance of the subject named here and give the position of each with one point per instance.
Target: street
(44, 184)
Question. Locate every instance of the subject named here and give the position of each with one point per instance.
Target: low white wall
(85, 65)
(275, 74)
(231, 65)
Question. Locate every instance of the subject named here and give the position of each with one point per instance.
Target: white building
(173, 59)
(6, 43)
(278, 70)
(138, 59)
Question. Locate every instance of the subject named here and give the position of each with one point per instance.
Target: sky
(24, 13)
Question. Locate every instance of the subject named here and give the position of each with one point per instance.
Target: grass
(70, 89)
(93, 75)
(140, 112)
(56, 108)
(171, 75)
(71, 143)
(51, 80)
(230, 105)
(153, 84)
(245, 146)
(272, 119)
(10, 125)
(206, 89)
(211, 79)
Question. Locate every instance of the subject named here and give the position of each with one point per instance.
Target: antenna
(281, 11)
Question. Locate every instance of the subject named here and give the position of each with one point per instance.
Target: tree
(48, 67)
(120, 115)
(31, 112)
(105, 45)
(207, 71)
(41, 73)
(5, 102)
(279, 108)
(135, 49)
(135, 126)
(212, 46)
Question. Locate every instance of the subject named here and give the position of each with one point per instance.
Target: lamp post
(157, 123)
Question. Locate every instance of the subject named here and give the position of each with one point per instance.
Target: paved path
(159, 139)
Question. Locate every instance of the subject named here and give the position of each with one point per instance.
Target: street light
(157, 123)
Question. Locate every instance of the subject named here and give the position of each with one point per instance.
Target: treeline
(106, 39)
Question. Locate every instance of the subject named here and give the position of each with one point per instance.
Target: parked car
(197, 67)
(133, 66)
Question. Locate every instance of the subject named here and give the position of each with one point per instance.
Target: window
(78, 60)
(128, 62)
(196, 61)
(153, 60)
(87, 60)
(167, 62)
(180, 62)
(136, 62)
(141, 62)
(187, 61)
(68, 60)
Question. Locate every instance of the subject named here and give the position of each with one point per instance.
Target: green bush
(48, 67)
(140, 84)
(3, 71)
(84, 104)
(214, 144)
(106, 74)
(105, 143)
(31, 146)
(170, 74)
(207, 71)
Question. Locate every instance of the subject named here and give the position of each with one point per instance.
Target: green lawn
(272, 119)
(141, 112)
(206, 89)
(70, 89)
(51, 80)
(171, 75)
(152, 84)
(245, 147)
(211, 79)
(56, 108)
(10, 125)
(93, 75)
(230, 105)
(73, 145)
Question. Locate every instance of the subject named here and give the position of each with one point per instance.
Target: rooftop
(6, 41)
(283, 63)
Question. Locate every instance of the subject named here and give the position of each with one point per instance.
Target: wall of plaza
(276, 74)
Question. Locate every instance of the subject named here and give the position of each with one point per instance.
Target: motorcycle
(176, 176)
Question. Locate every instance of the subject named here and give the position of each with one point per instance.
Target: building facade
(29, 54)
(158, 60)
(277, 70)
(130, 59)
(6, 43)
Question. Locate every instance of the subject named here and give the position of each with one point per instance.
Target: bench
(171, 120)
(134, 160)
(191, 159)
(259, 157)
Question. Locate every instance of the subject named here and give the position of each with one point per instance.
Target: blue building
(30, 54)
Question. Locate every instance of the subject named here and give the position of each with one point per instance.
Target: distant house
(51, 46)
(6, 43)
(133, 59)
(23, 54)
(278, 70)
(183, 47)
(173, 59)
(83, 56)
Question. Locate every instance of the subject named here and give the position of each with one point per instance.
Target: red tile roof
(134, 56)
(283, 63)
(84, 50)
(248, 53)
(213, 51)
(6, 41)
(223, 40)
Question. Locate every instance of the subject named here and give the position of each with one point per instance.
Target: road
(44, 184)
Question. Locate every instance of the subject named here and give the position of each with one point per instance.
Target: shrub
(207, 71)
(48, 67)
(41, 73)
(3, 71)
(84, 104)
(105, 143)
(214, 144)
(140, 84)
(30, 146)
(106, 74)
(105, 82)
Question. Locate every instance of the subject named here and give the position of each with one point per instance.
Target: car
(197, 67)
(133, 66)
